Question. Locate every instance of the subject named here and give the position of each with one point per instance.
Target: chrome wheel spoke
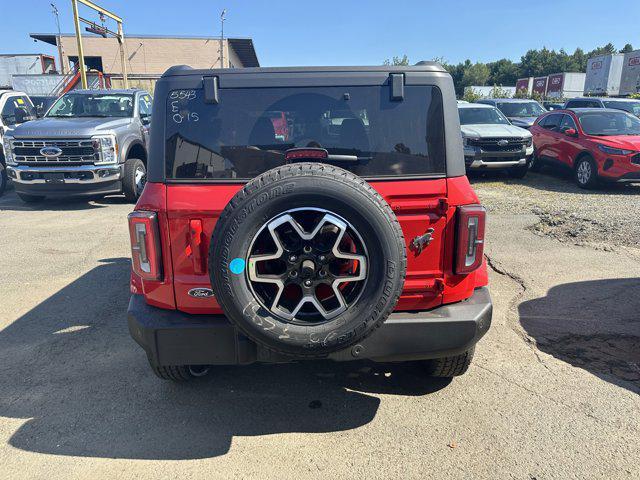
(308, 265)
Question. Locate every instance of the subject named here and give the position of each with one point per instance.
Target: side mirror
(571, 132)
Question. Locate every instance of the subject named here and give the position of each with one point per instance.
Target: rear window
(250, 129)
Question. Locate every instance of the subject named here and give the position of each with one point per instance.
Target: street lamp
(222, 19)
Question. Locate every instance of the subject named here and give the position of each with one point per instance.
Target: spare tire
(307, 259)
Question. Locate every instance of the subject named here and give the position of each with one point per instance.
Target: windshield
(92, 105)
(481, 116)
(609, 123)
(521, 109)
(631, 107)
(249, 130)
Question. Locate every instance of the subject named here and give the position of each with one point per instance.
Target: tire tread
(348, 179)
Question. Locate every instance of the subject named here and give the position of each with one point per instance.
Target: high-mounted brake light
(145, 245)
(302, 153)
(469, 238)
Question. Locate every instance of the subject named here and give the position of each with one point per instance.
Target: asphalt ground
(553, 393)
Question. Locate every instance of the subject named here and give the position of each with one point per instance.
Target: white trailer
(604, 73)
(524, 85)
(630, 80)
(566, 85)
(488, 92)
(24, 64)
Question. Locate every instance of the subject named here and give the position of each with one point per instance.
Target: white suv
(15, 108)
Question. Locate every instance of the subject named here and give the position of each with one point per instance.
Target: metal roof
(243, 46)
(606, 99)
(475, 105)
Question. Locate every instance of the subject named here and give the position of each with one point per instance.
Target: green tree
(503, 72)
(397, 61)
(627, 48)
(476, 74)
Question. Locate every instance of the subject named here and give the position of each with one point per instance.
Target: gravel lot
(554, 392)
(605, 218)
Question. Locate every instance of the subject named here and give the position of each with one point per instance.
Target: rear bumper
(66, 180)
(170, 337)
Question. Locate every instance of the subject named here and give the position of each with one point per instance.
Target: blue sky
(354, 32)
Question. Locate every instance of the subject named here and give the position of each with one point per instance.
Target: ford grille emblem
(201, 292)
(503, 143)
(51, 151)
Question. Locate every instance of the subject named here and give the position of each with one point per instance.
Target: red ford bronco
(354, 236)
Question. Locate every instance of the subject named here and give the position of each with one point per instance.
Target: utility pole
(59, 40)
(222, 18)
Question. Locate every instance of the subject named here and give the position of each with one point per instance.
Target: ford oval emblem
(503, 143)
(50, 152)
(200, 292)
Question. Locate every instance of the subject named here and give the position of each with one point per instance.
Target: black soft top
(424, 73)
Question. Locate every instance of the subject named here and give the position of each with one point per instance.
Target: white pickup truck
(15, 108)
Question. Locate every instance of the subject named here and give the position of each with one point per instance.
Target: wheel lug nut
(323, 273)
(307, 249)
(322, 258)
(293, 258)
(307, 283)
(293, 274)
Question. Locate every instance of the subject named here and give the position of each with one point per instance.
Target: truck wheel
(25, 197)
(135, 178)
(180, 373)
(586, 172)
(519, 171)
(450, 366)
(307, 259)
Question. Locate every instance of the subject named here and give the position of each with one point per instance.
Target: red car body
(418, 204)
(617, 157)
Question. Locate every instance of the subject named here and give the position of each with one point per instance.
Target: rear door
(212, 149)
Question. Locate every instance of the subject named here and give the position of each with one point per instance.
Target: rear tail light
(469, 238)
(145, 245)
(294, 154)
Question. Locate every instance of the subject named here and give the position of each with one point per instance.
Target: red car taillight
(145, 245)
(469, 238)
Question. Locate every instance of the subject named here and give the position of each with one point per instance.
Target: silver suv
(492, 142)
(90, 142)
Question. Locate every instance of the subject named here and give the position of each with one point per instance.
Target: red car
(360, 242)
(598, 144)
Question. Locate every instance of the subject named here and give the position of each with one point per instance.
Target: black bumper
(67, 190)
(170, 337)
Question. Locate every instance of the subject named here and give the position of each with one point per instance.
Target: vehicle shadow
(551, 179)
(11, 202)
(69, 368)
(593, 325)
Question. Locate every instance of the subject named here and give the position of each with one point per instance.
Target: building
(149, 56)
(24, 64)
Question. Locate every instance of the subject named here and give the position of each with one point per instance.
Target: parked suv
(491, 142)
(598, 144)
(90, 142)
(347, 240)
(627, 104)
(520, 112)
(15, 108)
